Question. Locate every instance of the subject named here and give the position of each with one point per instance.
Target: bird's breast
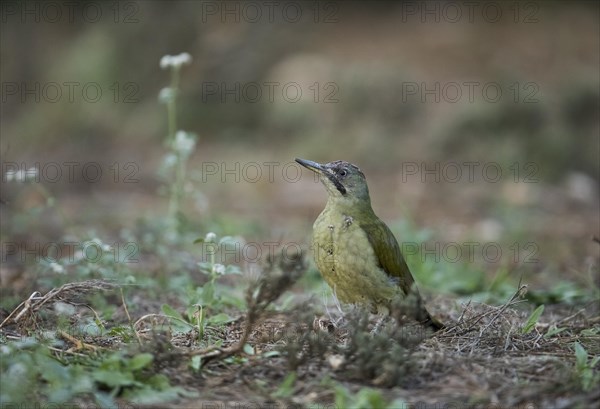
(347, 261)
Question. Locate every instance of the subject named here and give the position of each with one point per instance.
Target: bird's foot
(324, 325)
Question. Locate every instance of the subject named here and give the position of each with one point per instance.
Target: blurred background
(473, 123)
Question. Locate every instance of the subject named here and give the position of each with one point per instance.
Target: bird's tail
(431, 322)
(412, 306)
(423, 315)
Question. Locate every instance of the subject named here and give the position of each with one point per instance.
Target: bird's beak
(309, 164)
(328, 178)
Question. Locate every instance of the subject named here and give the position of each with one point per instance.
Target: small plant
(366, 398)
(277, 278)
(286, 389)
(180, 143)
(532, 320)
(31, 372)
(209, 295)
(206, 302)
(585, 371)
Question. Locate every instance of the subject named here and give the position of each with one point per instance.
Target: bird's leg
(329, 316)
(338, 306)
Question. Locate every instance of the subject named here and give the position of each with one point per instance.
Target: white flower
(175, 61)
(165, 61)
(210, 237)
(57, 268)
(166, 95)
(184, 143)
(219, 268)
(97, 243)
(169, 160)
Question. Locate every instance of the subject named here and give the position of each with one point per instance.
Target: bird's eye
(343, 172)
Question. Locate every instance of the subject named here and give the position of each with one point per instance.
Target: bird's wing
(388, 253)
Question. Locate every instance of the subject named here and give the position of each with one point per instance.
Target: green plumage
(356, 253)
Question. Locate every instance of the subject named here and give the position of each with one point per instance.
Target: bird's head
(344, 181)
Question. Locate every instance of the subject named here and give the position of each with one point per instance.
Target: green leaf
(286, 389)
(140, 361)
(177, 319)
(369, 398)
(113, 378)
(235, 360)
(171, 312)
(233, 269)
(104, 400)
(159, 382)
(532, 320)
(225, 240)
(248, 349)
(342, 396)
(590, 332)
(151, 396)
(271, 354)
(121, 331)
(208, 294)
(219, 319)
(205, 266)
(581, 355)
(553, 331)
(196, 363)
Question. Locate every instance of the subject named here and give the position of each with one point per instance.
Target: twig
(497, 312)
(519, 293)
(35, 301)
(570, 317)
(258, 298)
(168, 317)
(26, 303)
(62, 351)
(78, 343)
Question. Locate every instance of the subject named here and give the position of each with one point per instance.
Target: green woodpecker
(356, 253)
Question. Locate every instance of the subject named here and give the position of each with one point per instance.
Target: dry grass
(483, 357)
(26, 313)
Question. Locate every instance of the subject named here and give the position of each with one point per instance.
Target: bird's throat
(348, 205)
(336, 183)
